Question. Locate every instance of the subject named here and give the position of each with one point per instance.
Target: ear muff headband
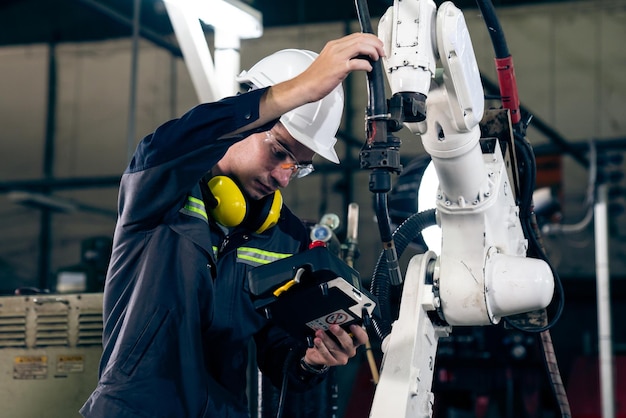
(233, 209)
(270, 218)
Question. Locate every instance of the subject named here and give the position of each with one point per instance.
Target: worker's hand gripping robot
(482, 272)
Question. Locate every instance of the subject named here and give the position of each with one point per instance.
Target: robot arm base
(404, 388)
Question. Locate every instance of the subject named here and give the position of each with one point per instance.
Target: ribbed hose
(558, 389)
(380, 285)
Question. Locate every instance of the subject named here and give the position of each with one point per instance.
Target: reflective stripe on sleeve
(195, 207)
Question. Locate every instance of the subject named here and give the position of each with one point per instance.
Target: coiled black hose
(380, 285)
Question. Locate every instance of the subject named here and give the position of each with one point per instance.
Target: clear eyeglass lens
(304, 170)
(297, 170)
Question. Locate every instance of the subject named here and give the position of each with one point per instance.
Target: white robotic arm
(483, 244)
(482, 272)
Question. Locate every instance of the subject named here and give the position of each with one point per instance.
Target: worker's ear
(230, 207)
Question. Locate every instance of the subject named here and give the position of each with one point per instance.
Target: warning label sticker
(324, 322)
(71, 363)
(30, 367)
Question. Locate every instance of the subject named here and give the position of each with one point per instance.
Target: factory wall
(568, 60)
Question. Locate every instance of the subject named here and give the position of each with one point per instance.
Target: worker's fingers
(359, 335)
(357, 50)
(349, 342)
(364, 44)
(335, 351)
(337, 59)
(330, 353)
(344, 343)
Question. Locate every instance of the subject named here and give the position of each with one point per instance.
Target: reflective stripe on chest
(257, 257)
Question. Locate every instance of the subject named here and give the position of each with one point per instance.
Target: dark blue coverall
(178, 317)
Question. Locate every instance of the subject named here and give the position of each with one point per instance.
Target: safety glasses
(285, 158)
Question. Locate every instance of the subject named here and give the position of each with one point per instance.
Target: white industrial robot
(482, 272)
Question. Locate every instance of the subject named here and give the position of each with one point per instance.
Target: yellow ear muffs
(231, 208)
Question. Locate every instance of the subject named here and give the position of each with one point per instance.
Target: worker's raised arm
(338, 59)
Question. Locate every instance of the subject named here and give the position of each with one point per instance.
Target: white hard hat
(314, 124)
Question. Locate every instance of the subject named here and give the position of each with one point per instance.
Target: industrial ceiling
(43, 21)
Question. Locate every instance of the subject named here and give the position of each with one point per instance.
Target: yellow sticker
(30, 367)
(72, 363)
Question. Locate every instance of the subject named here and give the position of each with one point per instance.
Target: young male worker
(178, 317)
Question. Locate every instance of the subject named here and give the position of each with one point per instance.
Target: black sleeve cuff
(246, 110)
(316, 370)
(302, 377)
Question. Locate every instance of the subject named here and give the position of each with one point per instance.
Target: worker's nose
(281, 176)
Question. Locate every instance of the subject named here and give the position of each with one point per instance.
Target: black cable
(377, 103)
(527, 178)
(526, 167)
(527, 173)
(492, 22)
(284, 384)
(378, 148)
(363, 14)
(382, 217)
